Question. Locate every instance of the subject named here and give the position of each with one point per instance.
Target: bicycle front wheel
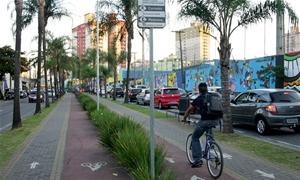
(188, 148)
(215, 160)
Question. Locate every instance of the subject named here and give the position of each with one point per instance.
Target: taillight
(271, 108)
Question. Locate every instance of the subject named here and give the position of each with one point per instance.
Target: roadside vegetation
(273, 153)
(127, 140)
(12, 140)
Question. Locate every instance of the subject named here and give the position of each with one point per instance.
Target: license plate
(292, 120)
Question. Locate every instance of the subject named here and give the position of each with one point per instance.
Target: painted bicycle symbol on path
(94, 166)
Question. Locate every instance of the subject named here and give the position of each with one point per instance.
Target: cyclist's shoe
(197, 164)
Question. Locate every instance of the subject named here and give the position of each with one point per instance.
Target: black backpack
(214, 106)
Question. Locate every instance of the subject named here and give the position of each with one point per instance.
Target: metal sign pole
(97, 56)
(152, 139)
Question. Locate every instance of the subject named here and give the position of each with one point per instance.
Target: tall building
(80, 39)
(195, 43)
(292, 40)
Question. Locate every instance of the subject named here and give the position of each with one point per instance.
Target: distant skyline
(164, 39)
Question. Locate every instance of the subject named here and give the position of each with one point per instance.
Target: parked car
(166, 97)
(267, 109)
(141, 86)
(119, 92)
(23, 94)
(33, 96)
(9, 95)
(132, 93)
(51, 93)
(143, 97)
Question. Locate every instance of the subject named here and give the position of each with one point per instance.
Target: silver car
(143, 97)
(267, 109)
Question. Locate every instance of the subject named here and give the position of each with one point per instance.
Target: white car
(143, 97)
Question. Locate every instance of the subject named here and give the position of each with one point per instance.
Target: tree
(221, 15)
(52, 9)
(7, 62)
(17, 122)
(128, 10)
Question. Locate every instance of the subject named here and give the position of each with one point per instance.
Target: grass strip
(273, 153)
(144, 110)
(11, 140)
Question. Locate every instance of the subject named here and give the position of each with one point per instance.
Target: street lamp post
(181, 60)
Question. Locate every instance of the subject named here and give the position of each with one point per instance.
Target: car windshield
(170, 91)
(136, 90)
(285, 96)
(33, 92)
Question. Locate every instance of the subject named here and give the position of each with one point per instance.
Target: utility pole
(181, 60)
(143, 54)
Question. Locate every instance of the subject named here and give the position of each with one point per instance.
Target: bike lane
(84, 155)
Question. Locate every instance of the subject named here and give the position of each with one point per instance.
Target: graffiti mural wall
(292, 70)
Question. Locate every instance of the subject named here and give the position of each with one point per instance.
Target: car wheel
(261, 126)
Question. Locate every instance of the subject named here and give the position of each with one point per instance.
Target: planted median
(128, 141)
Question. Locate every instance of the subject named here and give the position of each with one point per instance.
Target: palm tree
(221, 14)
(128, 10)
(52, 9)
(17, 115)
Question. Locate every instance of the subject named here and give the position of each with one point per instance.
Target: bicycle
(211, 152)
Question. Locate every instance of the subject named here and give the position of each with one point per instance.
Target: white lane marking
(264, 174)
(115, 174)
(196, 178)
(239, 131)
(33, 165)
(94, 166)
(289, 144)
(170, 160)
(227, 156)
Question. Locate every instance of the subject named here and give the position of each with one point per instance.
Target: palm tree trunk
(130, 30)
(40, 36)
(55, 83)
(224, 51)
(45, 67)
(17, 122)
(51, 86)
(115, 81)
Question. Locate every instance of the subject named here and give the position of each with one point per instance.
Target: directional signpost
(151, 14)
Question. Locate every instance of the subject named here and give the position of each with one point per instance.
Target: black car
(267, 109)
(133, 92)
(119, 92)
(9, 95)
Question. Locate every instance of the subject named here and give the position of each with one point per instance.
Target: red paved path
(82, 146)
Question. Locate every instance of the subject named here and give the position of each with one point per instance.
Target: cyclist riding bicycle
(199, 106)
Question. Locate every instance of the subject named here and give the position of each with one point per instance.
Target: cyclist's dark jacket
(201, 108)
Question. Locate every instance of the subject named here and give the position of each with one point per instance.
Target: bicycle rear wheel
(215, 160)
(188, 149)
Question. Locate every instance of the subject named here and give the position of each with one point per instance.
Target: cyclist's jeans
(201, 127)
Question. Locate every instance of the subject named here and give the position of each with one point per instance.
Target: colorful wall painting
(172, 82)
(292, 70)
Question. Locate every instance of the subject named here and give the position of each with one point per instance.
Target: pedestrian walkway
(66, 146)
(237, 164)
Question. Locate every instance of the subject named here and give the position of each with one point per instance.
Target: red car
(166, 97)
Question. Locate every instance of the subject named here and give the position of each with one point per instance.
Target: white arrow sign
(227, 156)
(94, 166)
(264, 174)
(33, 165)
(170, 160)
(196, 178)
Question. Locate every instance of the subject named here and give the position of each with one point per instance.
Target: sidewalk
(66, 146)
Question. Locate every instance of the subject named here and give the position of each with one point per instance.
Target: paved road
(283, 136)
(6, 112)
(238, 164)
